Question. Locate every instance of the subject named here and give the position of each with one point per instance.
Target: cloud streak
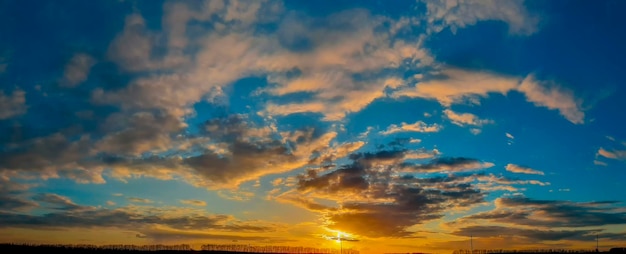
(462, 119)
(452, 86)
(418, 126)
(522, 170)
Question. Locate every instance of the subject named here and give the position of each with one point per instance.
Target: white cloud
(522, 170)
(418, 126)
(462, 119)
(12, 105)
(553, 97)
(461, 13)
(77, 69)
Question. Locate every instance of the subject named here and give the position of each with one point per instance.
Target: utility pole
(340, 245)
(597, 250)
(471, 244)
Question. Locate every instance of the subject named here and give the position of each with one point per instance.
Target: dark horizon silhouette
(161, 248)
(242, 248)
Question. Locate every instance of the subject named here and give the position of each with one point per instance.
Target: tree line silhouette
(273, 249)
(532, 251)
(128, 248)
(90, 248)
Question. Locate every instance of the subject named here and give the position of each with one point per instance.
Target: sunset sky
(408, 125)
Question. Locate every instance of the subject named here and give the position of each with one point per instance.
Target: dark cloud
(553, 213)
(44, 153)
(382, 155)
(485, 182)
(9, 203)
(12, 196)
(537, 234)
(158, 235)
(56, 201)
(246, 152)
(228, 150)
(244, 159)
(376, 202)
(229, 128)
(139, 133)
(132, 218)
(347, 178)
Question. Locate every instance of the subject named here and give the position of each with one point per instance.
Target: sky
(407, 125)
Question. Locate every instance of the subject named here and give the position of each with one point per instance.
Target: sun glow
(339, 236)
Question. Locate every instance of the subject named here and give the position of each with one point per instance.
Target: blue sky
(409, 125)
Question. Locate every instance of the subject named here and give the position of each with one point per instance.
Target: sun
(340, 235)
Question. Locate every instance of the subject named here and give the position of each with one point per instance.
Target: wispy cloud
(418, 126)
(463, 119)
(612, 154)
(600, 163)
(522, 170)
(56, 201)
(552, 96)
(12, 105)
(77, 69)
(459, 14)
(193, 202)
(449, 86)
(451, 164)
(239, 195)
(140, 200)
